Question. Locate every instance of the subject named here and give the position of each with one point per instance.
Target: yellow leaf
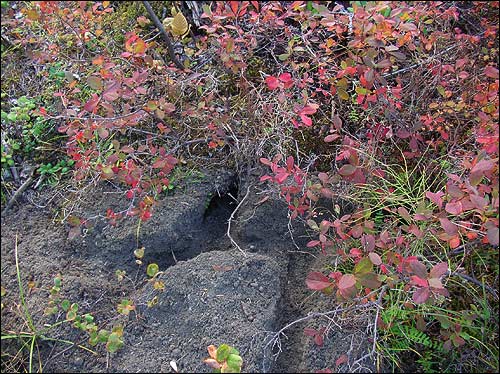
(139, 253)
(33, 15)
(167, 22)
(179, 25)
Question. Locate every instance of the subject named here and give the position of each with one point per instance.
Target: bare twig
(379, 303)
(18, 193)
(419, 63)
(276, 336)
(475, 281)
(231, 219)
(166, 38)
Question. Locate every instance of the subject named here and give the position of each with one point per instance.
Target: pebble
(78, 362)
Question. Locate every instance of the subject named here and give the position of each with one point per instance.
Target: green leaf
(234, 351)
(93, 340)
(152, 270)
(103, 336)
(234, 362)
(71, 315)
(95, 82)
(312, 224)
(114, 343)
(57, 282)
(284, 56)
(363, 266)
(222, 353)
(65, 305)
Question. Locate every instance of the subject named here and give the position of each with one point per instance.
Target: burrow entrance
(195, 234)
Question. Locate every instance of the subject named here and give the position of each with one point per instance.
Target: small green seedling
(224, 359)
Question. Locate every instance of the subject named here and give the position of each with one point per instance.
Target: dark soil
(213, 294)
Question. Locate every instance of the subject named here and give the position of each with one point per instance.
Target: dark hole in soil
(221, 206)
(209, 235)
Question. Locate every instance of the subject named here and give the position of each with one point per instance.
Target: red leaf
(265, 161)
(341, 360)
(337, 122)
(347, 281)
(158, 164)
(145, 215)
(323, 177)
(421, 295)
(313, 243)
(436, 198)
(310, 331)
(326, 192)
(435, 283)
(331, 138)
(491, 72)
(103, 133)
(419, 269)
(272, 82)
(347, 170)
(91, 105)
(454, 242)
(369, 280)
(478, 201)
(404, 213)
(112, 92)
(281, 177)
(417, 281)
(457, 340)
(212, 363)
(306, 120)
(318, 339)
(439, 270)
(368, 242)
(317, 281)
(483, 166)
(454, 208)
(256, 5)
(169, 108)
(285, 77)
(309, 109)
(375, 258)
(492, 235)
(449, 227)
(234, 7)
(290, 162)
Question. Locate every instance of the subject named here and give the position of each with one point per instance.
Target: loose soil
(214, 293)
